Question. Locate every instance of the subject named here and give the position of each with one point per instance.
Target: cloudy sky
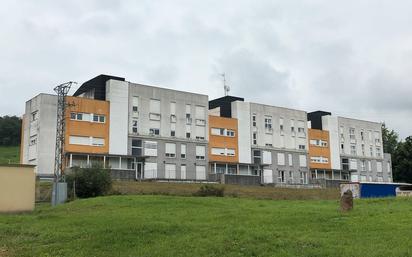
(352, 58)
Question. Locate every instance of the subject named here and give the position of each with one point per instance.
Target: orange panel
(223, 141)
(316, 151)
(85, 128)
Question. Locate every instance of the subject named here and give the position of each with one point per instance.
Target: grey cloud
(351, 58)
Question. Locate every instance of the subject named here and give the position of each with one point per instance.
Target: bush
(89, 182)
(211, 190)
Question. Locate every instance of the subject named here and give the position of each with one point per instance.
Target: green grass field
(196, 226)
(9, 154)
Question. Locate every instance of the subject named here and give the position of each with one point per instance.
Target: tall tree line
(401, 151)
(10, 130)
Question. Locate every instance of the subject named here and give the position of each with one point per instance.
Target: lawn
(194, 226)
(9, 154)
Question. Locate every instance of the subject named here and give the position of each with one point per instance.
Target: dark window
(80, 116)
(95, 118)
(172, 133)
(73, 115)
(187, 134)
(101, 118)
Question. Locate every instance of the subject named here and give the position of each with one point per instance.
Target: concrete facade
(39, 133)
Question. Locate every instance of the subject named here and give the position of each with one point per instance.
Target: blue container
(377, 190)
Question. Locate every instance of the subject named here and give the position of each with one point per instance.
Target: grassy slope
(190, 226)
(259, 192)
(10, 153)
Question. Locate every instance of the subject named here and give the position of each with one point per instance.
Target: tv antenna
(225, 87)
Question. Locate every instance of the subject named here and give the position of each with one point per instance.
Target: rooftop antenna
(59, 160)
(225, 87)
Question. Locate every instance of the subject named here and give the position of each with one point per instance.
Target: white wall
(330, 124)
(241, 111)
(117, 92)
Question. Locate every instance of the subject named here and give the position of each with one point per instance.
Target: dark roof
(97, 83)
(225, 104)
(316, 118)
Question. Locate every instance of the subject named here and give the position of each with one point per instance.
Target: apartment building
(136, 130)
(223, 145)
(272, 140)
(355, 146)
(147, 132)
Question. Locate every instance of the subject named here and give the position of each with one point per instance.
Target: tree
(89, 182)
(10, 129)
(390, 140)
(402, 161)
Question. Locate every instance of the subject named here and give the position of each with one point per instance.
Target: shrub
(89, 182)
(210, 190)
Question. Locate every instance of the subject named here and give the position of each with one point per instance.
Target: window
(188, 130)
(173, 118)
(154, 131)
(173, 109)
(370, 151)
(303, 177)
(97, 141)
(188, 114)
(79, 116)
(302, 147)
(230, 133)
(362, 135)
(200, 152)
(302, 161)
(170, 151)
(98, 118)
(154, 116)
(79, 140)
(170, 171)
(290, 177)
(342, 148)
(351, 133)
(281, 124)
(319, 159)
(282, 141)
(150, 148)
(341, 132)
(173, 129)
(301, 128)
(34, 116)
(379, 166)
(318, 142)
(73, 116)
(254, 120)
(150, 170)
(290, 159)
(345, 164)
(353, 164)
(292, 126)
(183, 151)
(363, 149)
(378, 152)
(135, 106)
(269, 145)
(256, 156)
(230, 152)
(218, 151)
(137, 147)
(183, 171)
(134, 126)
(200, 122)
(254, 138)
(200, 132)
(268, 124)
(281, 177)
(363, 165)
(266, 157)
(200, 172)
(377, 138)
(281, 159)
(353, 149)
(33, 140)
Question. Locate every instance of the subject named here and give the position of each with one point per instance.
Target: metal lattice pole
(59, 161)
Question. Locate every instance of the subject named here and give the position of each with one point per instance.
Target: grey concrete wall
(42, 153)
(295, 168)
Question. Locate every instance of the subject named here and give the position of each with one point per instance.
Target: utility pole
(59, 194)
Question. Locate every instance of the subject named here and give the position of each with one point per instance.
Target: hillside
(9, 154)
(195, 226)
